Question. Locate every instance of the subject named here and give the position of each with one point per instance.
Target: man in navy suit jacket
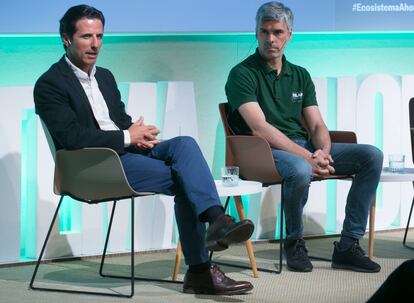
(81, 107)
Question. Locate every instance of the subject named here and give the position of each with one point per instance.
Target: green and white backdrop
(364, 81)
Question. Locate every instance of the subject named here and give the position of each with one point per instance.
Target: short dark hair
(73, 14)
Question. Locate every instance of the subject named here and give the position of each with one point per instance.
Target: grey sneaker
(297, 256)
(354, 258)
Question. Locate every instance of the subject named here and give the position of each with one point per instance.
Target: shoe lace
(219, 274)
(300, 249)
(356, 249)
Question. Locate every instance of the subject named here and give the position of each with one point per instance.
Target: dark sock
(199, 268)
(346, 242)
(211, 214)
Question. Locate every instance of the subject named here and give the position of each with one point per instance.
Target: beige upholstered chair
(93, 175)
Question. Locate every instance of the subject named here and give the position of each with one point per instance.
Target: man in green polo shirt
(269, 97)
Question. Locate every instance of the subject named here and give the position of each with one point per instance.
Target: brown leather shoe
(214, 282)
(225, 231)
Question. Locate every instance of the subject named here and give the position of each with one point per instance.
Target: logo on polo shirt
(297, 97)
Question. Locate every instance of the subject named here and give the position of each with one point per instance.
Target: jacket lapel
(75, 85)
(72, 81)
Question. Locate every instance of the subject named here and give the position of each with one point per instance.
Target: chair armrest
(91, 175)
(253, 156)
(340, 136)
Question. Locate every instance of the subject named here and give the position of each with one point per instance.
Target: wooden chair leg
(249, 247)
(371, 228)
(178, 257)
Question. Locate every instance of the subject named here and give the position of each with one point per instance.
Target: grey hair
(274, 11)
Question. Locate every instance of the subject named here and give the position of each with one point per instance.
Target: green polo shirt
(281, 97)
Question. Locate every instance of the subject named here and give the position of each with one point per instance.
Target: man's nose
(271, 38)
(94, 42)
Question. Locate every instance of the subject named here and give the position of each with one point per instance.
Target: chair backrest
(252, 154)
(224, 114)
(411, 114)
(91, 175)
(341, 136)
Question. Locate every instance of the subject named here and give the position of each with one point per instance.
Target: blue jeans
(177, 167)
(361, 160)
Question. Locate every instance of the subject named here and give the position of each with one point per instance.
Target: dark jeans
(361, 160)
(177, 167)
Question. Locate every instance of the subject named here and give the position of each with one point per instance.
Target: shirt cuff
(127, 138)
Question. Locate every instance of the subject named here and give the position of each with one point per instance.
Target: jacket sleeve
(70, 121)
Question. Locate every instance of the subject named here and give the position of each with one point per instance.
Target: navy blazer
(62, 104)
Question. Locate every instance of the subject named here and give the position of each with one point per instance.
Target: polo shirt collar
(286, 68)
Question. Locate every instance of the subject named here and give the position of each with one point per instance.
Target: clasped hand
(321, 164)
(143, 136)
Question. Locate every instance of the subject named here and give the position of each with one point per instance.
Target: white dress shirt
(96, 100)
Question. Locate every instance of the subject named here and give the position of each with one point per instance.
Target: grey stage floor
(322, 285)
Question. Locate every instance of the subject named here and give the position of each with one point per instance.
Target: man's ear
(66, 40)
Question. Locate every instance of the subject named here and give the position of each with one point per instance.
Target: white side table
(407, 175)
(243, 188)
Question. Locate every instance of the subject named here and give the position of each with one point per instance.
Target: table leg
(371, 228)
(177, 261)
(249, 247)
